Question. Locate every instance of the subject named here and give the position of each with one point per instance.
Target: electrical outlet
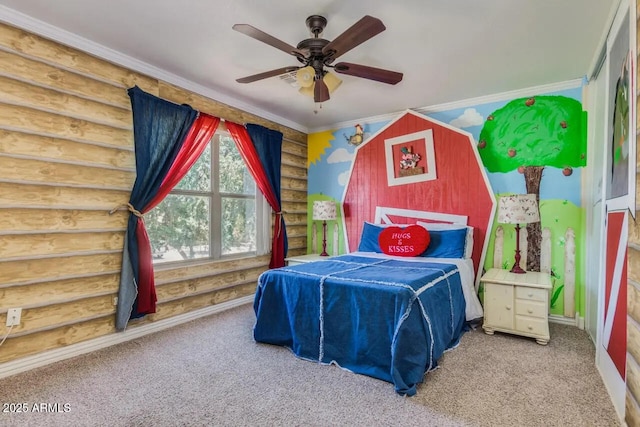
(13, 316)
(115, 300)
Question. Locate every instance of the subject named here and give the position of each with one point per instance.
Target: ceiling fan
(317, 53)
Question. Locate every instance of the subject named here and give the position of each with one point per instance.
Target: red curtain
(194, 144)
(252, 160)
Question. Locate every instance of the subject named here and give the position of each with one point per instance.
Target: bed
(386, 316)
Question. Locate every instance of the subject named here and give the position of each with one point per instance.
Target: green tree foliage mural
(528, 134)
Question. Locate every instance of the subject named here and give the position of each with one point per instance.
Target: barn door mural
(614, 329)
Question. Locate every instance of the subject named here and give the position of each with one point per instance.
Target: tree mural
(528, 134)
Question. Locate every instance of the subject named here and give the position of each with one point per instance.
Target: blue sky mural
(329, 175)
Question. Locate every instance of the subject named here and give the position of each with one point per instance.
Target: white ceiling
(448, 50)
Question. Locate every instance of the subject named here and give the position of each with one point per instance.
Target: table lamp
(518, 209)
(324, 211)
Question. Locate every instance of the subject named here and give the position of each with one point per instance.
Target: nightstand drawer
(535, 294)
(532, 325)
(531, 308)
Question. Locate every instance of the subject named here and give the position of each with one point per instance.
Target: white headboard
(382, 216)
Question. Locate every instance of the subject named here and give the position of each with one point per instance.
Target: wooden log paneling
(67, 159)
(633, 265)
(295, 148)
(43, 269)
(633, 302)
(190, 287)
(38, 318)
(293, 160)
(19, 41)
(32, 245)
(298, 242)
(633, 339)
(295, 196)
(23, 195)
(21, 220)
(43, 293)
(28, 120)
(295, 218)
(294, 172)
(633, 379)
(48, 148)
(294, 184)
(16, 92)
(294, 207)
(632, 411)
(63, 80)
(165, 275)
(41, 171)
(175, 307)
(56, 337)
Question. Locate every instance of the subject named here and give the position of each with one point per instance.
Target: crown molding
(59, 35)
(503, 96)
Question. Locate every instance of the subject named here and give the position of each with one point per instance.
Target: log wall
(66, 159)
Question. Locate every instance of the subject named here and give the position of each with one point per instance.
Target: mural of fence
(569, 273)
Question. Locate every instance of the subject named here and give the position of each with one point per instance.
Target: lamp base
(517, 269)
(324, 253)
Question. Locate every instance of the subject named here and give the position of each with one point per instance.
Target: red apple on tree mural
(524, 135)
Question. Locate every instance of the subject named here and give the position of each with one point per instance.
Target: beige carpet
(210, 372)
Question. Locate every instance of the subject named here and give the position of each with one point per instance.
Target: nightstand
(517, 303)
(301, 259)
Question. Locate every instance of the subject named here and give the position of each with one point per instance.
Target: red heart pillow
(408, 241)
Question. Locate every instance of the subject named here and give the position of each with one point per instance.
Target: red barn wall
(460, 188)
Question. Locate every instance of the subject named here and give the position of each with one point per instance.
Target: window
(214, 212)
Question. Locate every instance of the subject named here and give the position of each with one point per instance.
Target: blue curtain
(268, 144)
(159, 129)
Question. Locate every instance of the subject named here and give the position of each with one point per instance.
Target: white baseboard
(45, 358)
(577, 321)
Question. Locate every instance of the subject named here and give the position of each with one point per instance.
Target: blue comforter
(386, 318)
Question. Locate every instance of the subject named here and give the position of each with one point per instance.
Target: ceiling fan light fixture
(332, 81)
(307, 91)
(305, 76)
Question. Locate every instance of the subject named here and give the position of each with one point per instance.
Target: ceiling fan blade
(320, 91)
(358, 33)
(260, 35)
(371, 73)
(266, 74)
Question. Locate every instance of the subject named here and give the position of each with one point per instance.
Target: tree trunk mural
(532, 177)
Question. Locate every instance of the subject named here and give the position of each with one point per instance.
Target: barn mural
(554, 119)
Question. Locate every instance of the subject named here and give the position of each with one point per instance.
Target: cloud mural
(340, 155)
(470, 117)
(342, 178)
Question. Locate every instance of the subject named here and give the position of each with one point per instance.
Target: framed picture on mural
(410, 158)
(620, 192)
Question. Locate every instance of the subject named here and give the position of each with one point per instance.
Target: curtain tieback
(129, 207)
(279, 213)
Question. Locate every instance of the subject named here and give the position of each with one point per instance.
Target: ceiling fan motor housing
(316, 24)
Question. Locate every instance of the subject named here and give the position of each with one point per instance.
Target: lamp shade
(331, 80)
(324, 210)
(518, 209)
(305, 76)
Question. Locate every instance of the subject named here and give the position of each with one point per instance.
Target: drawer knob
(529, 311)
(508, 307)
(529, 327)
(530, 294)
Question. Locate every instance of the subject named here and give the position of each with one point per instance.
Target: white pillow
(468, 244)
